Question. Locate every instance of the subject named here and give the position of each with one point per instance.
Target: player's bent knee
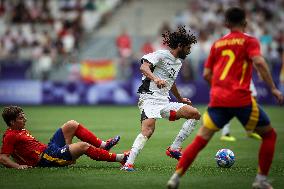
(192, 113)
(72, 124)
(84, 145)
(196, 114)
(148, 130)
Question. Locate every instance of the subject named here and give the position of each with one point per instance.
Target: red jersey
(23, 147)
(231, 64)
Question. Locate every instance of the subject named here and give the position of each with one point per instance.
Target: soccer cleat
(127, 167)
(228, 138)
(126, 154)
(176, 154)
(173, 183)
(254, 136)
(111, 142)
(263, 184)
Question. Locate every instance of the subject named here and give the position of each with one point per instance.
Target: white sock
(226, 129)
(260, 177)
(185, 131)
(103, 144)
(138, 145)
(119, 157)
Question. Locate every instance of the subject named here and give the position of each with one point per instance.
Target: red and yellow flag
(98, 70)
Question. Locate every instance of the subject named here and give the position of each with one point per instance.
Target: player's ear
(12, 122)
(245, 23)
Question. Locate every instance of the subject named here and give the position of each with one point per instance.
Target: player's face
(184, 52)
(20, 121)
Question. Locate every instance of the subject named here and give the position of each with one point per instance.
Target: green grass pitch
(153, 167)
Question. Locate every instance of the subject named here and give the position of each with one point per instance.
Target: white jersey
(164, 66)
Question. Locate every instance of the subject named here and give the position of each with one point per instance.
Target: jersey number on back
(232, 57)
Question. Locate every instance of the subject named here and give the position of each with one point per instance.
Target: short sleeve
(253, 47)
(8, 143)
(153, 58)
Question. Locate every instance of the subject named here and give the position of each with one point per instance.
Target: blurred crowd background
(101, 41)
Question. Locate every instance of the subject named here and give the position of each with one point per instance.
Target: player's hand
(278, 95)
(186, 101)
(24, 167)
(160, 83)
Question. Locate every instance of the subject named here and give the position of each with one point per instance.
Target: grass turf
(153, 167)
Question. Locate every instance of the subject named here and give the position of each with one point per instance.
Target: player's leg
(213, 120)
(265, 156)
(176, 111)
(98, 154)
(225, 135)
(73, 128)
(150, 111)
(189, 155)
(147, 129)
(255, 119)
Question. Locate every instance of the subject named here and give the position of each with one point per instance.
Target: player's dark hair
(235, 16)
(10, 113)
(179, 37)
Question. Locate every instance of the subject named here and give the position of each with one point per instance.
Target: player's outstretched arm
(7, 162)
(262, 67)
(176, 93)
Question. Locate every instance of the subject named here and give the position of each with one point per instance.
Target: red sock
(190, 154)
(87, 136)
(266, 151)
(100, 154)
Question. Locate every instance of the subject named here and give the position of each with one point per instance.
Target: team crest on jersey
(63, 150)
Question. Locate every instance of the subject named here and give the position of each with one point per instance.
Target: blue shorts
(57, 153)
(251, 116)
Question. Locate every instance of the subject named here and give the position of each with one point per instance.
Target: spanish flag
(98, 70)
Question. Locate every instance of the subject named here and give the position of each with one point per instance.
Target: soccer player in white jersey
(226, 135)
(160, 69)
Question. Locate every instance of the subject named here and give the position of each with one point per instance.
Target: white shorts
(156, 107)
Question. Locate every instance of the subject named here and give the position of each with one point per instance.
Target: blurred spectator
(2, 8)
(124, 48)
(43, 66)
(147, 47)
(68, 41)
(124, 44)
(90, 5)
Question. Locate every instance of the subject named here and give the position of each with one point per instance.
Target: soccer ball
(225, 158)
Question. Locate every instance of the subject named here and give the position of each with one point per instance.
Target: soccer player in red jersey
(60, 151)
(229, 71)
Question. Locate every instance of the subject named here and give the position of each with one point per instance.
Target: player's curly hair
(10, 113)
(179, 37)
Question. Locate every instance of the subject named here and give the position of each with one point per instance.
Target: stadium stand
(68, 40)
